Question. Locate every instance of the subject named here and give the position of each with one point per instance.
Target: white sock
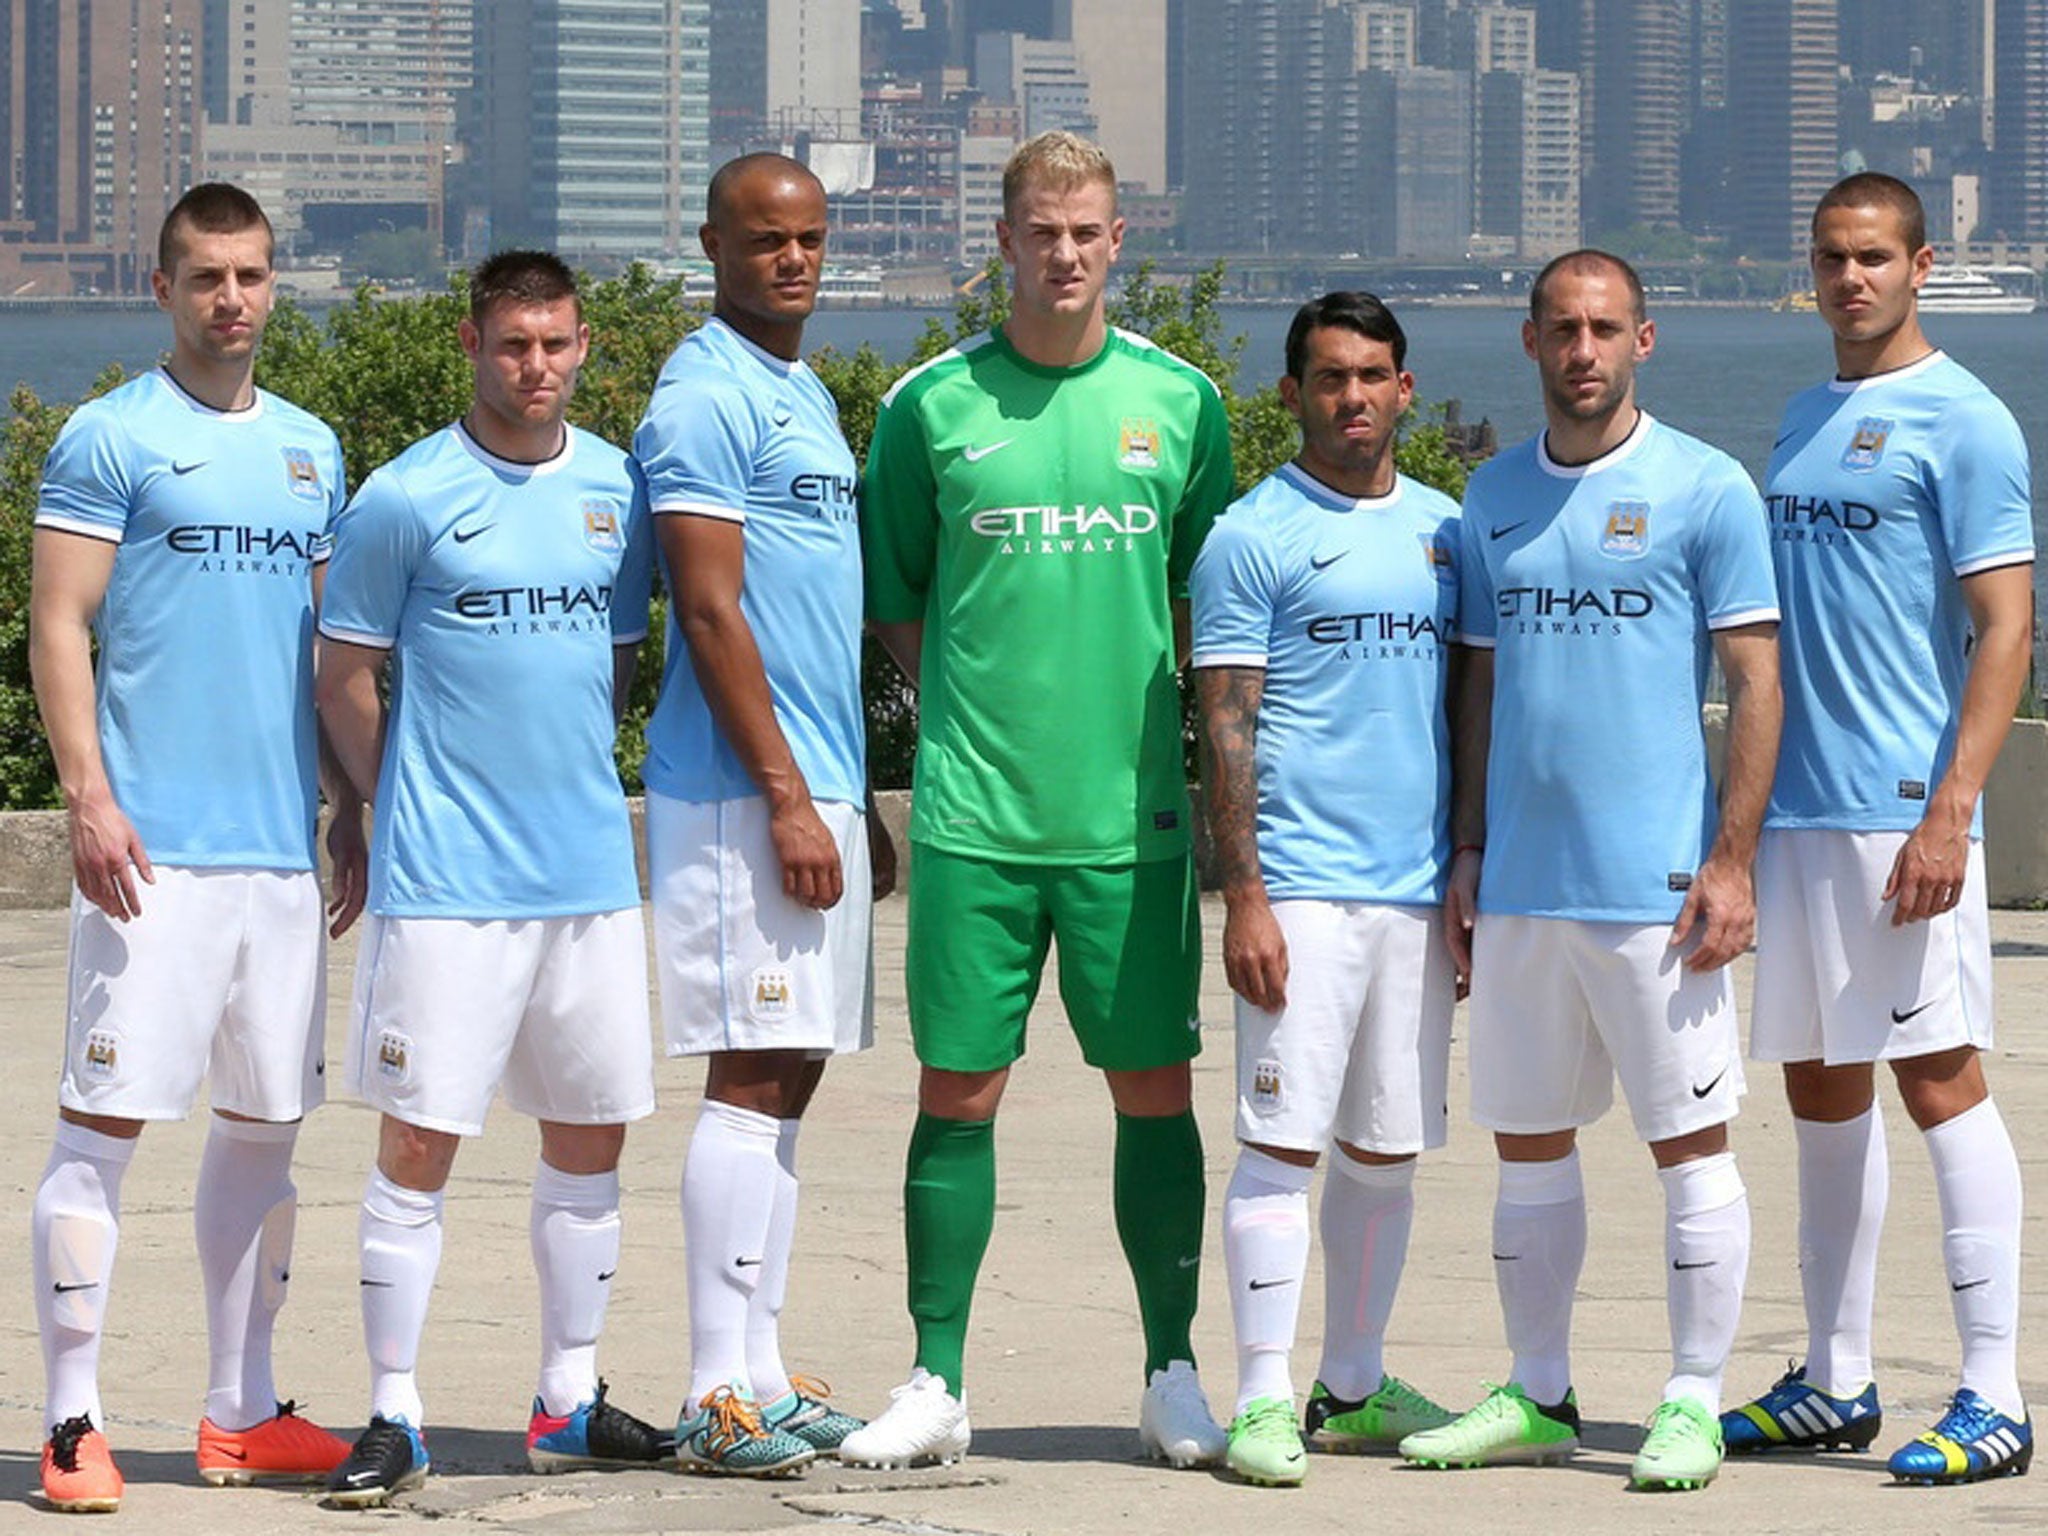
(1977, 1177)
(1367, 1212)
(399, 1234)
(574, 1230)
(729, 1184)
(1844, 1184)
(1265, 1248)
(243, 1211)
(1706, 1243)
(73, 1230)
(765, 1370)
(1539, 1247)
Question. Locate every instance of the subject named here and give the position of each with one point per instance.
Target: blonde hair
(1058, 159)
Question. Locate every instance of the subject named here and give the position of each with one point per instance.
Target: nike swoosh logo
(1695, 1264)
(232, 1452)
(974, 455)
(610, 1272)
(744, 1263)
(380, 1284)
(83, 1285)
(186, 469)
(1267, 1285)
(1971, 1285)
(1191, 1263)
(1712, 1083)
(464, 538)
(1327, 560)
(1503, 532)
(1506, 1258)
(1900, 1018)
(1781, 442)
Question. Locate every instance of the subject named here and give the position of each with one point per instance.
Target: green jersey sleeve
(1211, 485)
(899, 521)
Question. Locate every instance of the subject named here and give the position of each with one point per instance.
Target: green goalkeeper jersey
(1041, 521)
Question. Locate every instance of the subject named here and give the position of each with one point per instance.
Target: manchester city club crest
(1866, 444)
(302, 474)
(601, 526)
(1137, 444)
(1628, 530)
(1436, 553)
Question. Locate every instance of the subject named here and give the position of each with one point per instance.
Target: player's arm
(1471, 741)
(1254, 950)
(1721, 901)
(351, 707)
(905, 644)
(625, 667)
(348, 850)
(68, 581)
(707, 556)
(1927, 876)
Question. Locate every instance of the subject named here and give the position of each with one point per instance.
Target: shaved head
(729, 176)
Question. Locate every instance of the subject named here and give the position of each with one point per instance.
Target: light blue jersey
(1596, 585)
(1349, 608)
(1883, 493)
(204, 679)
(501, 589)
(737, 433)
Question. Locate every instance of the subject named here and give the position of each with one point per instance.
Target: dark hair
(1874, 189)
(723, 179)
(213, 208)
(1360, 312)
(522, 277)
(1589, 260)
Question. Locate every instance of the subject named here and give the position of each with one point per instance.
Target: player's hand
(1461, 907)
(1721, 905)
(881, 854)
(809, 857)
(349, 853)
(1255, 953)
(1927, 876)
(107, 855)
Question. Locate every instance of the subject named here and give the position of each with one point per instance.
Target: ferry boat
(1979, 291)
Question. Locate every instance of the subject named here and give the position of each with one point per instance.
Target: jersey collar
(193, 403)
(1332, 498)
(484, 456)
(1842, 386)
(1637, 436)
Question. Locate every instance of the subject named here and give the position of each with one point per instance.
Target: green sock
(949, 1210)
(1159, 1208)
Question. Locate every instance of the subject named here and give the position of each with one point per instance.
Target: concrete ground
(1054, 1354)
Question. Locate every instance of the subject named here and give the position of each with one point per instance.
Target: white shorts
(1560, 1008)
(742, 966)
(1835, 981)
(555, 1008)
(223, 976)
(1362, 1050)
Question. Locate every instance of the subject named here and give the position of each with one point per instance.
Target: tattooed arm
(1254, 950)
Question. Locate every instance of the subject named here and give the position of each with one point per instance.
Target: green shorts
(1130, 943)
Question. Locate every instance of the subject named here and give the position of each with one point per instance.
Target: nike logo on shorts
(606, 1276)
(1900, 1018)
(1712, 1083)
(1970, 1285)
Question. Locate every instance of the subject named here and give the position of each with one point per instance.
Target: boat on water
(1951, 290)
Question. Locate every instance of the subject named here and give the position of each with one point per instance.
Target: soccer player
(181, 525)
(756, 781)
(1033, 503)
(505, 563)
(1899, 506)
(1604, 562)
(1324, 606)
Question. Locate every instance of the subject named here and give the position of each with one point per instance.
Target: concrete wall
(35, 860)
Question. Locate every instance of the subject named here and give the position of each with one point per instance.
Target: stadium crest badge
(302, 474)
(394, 1055)
(1266, 1092)
(1866, 445)
(1137, 445)
(1436, 551)
(601, 525)
(102, 1055)
(1628, 530)
(774, 995)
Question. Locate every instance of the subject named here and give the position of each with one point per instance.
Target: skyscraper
(1632, 63)
(1782, 112)
(2019, 162)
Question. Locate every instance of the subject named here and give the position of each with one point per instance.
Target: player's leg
(1539, 1070)
(268, 1073)
(977, 941)
(1130, 947)
(1391, 1108)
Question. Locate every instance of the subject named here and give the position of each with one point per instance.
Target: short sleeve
(696, 447)
(1982, 486)
(1478, 617)
(1212, 481)
(337, 496)
(1732, 559)
(378, 544)
(87, 486)
(633, 591)
(899, 515)
(1234, 585)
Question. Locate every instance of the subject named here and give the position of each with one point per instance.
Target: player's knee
(414, 1156)
(1153, 1091)
(581, 1149)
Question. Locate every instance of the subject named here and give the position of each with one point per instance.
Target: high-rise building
(2018, 202)
(1121, 48)
(99, 135)
(1782, 109)
(1526, 160)
(577, 128)
(1419, 196)
(1384, 36)
(1038, 75)
(1493, 36)
(781, 68)
(1632, 70)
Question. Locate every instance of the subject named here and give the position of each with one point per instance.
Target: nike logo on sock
(386, 1284)
(1191, 1262)
(606, 1276)
(81, 1285)
(1267, 1285)
(1505, 1258)
(1970, 1285)
(1695, 1264)
(744, 1263)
